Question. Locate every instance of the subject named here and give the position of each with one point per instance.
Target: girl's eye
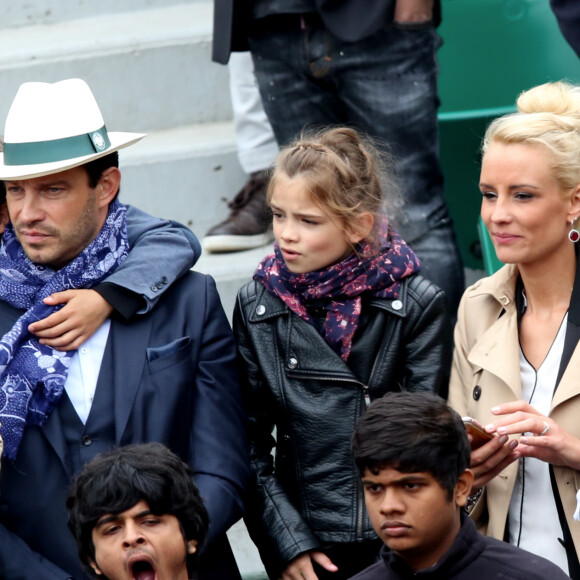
(489, 195)
(276, 215)
(310, 222)
(523, 196)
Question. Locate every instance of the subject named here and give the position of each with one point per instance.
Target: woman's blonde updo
(344, 174)
(548, 115)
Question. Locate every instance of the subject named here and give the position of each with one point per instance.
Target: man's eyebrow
(44, 183)
(106, 519)
(412, 477)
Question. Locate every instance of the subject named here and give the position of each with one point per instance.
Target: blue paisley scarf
(342, 284)
(32, 375)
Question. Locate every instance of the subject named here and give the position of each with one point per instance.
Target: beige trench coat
(486, 373)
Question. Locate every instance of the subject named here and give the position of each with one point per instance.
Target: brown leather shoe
(249, 223)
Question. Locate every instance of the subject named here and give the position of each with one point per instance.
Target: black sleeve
(125, 302)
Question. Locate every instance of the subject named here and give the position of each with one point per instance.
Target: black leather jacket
(310, 495)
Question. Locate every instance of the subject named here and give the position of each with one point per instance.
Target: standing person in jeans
(321, 63)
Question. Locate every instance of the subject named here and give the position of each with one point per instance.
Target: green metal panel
(492, 51)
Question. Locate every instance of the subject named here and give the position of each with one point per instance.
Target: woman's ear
(360, 228)
(108, 186)
(192, 546)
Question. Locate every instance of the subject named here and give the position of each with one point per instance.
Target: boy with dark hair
(135, 513)
(412, 452)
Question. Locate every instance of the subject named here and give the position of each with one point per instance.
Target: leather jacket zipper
(366, 391)
(364, 388)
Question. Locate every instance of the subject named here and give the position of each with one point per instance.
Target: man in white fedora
(166, 376)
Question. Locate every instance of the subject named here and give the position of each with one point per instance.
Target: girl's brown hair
(344, 172)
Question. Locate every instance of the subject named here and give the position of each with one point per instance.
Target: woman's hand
(542, 438)
(73, 324)
(490, 459)
(301, 567)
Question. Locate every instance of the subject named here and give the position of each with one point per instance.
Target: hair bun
(559, 98)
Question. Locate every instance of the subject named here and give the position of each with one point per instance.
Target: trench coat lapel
(498, 350)
(568, 386)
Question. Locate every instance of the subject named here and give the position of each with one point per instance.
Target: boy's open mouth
(143, 570)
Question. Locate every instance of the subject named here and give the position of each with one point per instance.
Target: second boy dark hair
(412, 432)
(115, 481)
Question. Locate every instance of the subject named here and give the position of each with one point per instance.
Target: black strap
(570, 342)
(568, 543)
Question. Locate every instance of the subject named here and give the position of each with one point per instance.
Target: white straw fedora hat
(52, 127)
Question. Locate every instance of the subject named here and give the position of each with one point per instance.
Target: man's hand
(68, 328)
(492, 458)
(301, 567)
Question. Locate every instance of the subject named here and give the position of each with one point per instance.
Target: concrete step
(184, 174)
(231, 271)
(149, 69)
(13, 14)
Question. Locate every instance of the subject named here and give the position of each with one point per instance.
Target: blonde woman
(516, 360)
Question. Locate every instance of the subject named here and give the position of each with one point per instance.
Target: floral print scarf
(32, 375)
(342, 285)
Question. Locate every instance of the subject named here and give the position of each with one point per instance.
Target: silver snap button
(292, 363)
(397, 304)
(260, 310)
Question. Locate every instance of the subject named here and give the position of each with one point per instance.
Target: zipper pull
(367, 395)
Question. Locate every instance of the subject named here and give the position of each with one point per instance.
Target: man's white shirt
(84, 369)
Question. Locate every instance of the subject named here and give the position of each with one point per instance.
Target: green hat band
(37, 152)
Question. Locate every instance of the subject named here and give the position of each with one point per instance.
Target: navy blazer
(174, 382)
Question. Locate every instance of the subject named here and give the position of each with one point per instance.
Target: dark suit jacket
(174, 382)
(344, 18)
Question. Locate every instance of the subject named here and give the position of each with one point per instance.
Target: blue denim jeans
(384, 85)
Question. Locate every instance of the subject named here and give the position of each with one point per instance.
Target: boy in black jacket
(413, 453)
